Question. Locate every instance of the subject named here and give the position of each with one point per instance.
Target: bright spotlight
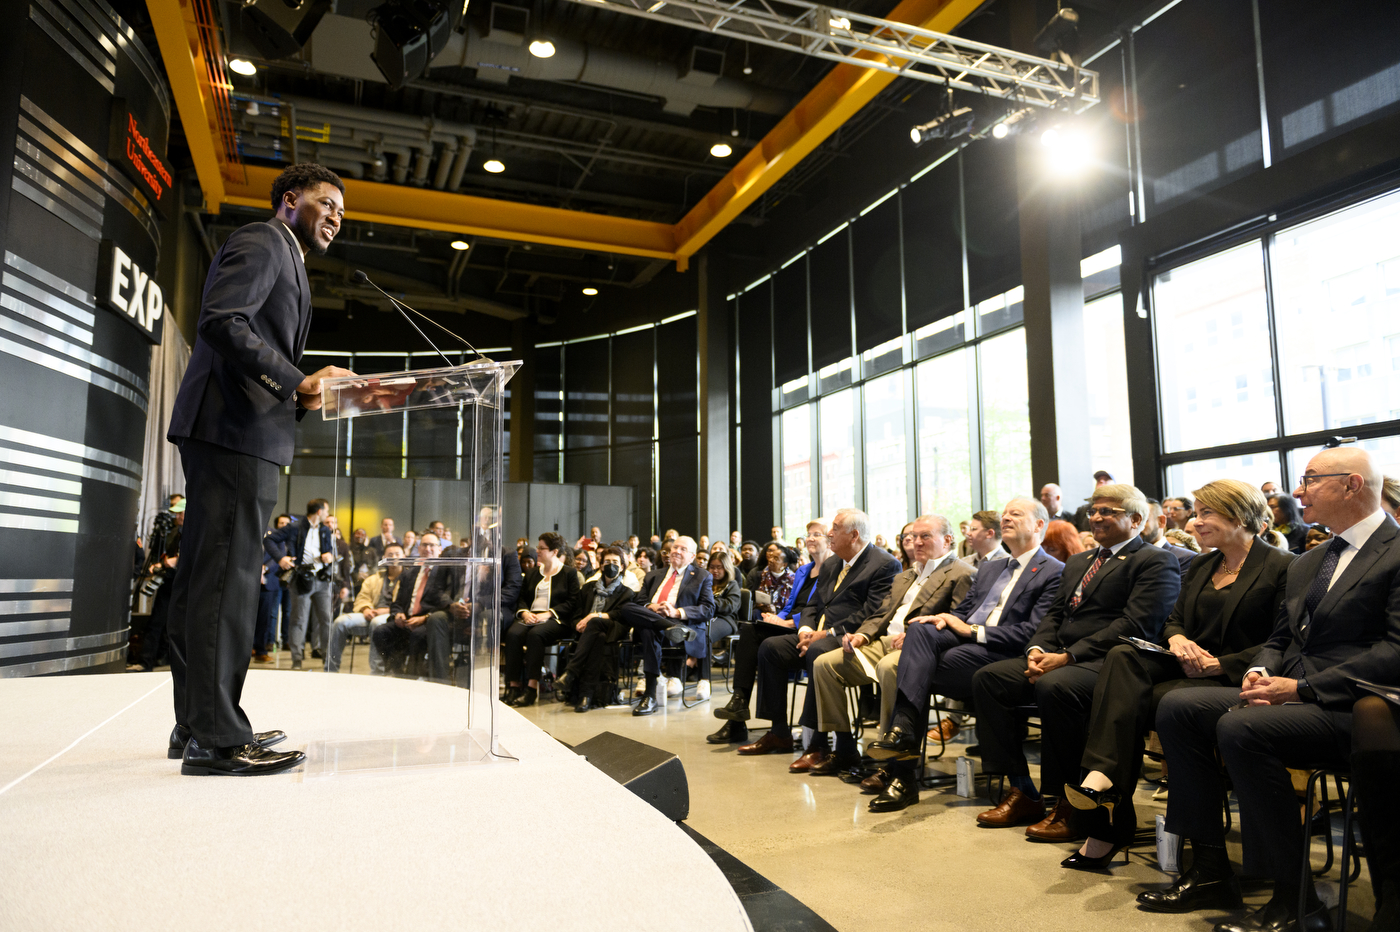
(1068, 150)
(494, 166)
(1000, 131)
(243, 66)
(721, 150)
(460, 244)
(947, 126)
(590, 291)
(542, 48)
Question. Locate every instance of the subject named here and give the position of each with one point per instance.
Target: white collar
(851, 562)
(1361, 531)
(296, 243)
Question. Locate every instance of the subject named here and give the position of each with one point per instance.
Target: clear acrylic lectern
(461, 411)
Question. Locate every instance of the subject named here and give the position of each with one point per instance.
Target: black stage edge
(770, 908)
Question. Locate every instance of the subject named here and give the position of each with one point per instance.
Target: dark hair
(789, 555)
(611, 551)
(300, 177)
(315, 505)
(651, 553)
(1293, 515)
(720, 582)
(555, 542)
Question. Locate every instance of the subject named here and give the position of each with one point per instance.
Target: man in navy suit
(1123, 587)
(308, 547)
(852, 585)
(675, 604)
(994, 621)
(234, 420)
(1339, 621)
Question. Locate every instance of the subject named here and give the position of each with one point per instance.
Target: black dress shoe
(1082, 862)
(1276, 916)
(562, 684)
(647, 706)
(736, 710)
(896, 744)
(729, 733)
(1087, 800)
(246, 760)
(1192, 892)
(527, 697)
(679, 634)
(585, 703)
(316, 654)
(896, 796)
(180, 736)
(835, 764)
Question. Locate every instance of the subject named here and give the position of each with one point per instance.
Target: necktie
(1323, 579)
(989, 604)
(1078, 596)
(666, 587)
(840, 578)
(421, 583)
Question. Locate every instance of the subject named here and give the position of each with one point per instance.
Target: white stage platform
(100, 830)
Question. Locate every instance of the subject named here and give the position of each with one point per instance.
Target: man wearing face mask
(595, 620)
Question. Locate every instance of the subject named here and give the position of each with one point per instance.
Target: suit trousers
(1062, 696)
(397, 646)
(836, 670)
(214, 605)
(313, 605)
(745, 658)
(266, 631)
(1130, 687)
(648, 629)
(778, 659)
(153, 642)
(589, 662)
(1257, 744)
(937, 661)
(524, 646)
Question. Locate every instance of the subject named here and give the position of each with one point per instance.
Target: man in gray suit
(235, 421)
(937, 581)
(1339, 621)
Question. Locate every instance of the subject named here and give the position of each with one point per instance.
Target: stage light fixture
(721, 150)
(242, 66)
(944, 126)
(494, 166)
(460, 244)
(1017, 121)
(542, 48)
(590, 291)
(840, 23)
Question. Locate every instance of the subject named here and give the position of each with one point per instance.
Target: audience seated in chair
(424, 591)
(547, 591)
(594, 618)
(371, 609)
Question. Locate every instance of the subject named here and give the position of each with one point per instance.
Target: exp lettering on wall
(130, 290)
(131, 148)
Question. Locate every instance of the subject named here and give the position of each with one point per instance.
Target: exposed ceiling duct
(341, 46)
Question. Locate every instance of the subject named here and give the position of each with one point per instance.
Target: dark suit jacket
(562, 590)
(239, 389)
(861, 594)
(944, 588)
(727, 602)
(377, 542)
(1131, 595)
(697, 598)
(582, 604)
(290, 541)
(1183, 556)
(442, 589)
(1355, 631)
(1250, 609)
(1026, 604)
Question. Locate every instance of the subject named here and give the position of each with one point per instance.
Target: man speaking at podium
(234, 421)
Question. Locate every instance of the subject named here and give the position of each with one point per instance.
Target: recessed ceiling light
(721, 150)
(590, 291)
(542, 48)
(460, 244)
(494, 166)
(243, 66)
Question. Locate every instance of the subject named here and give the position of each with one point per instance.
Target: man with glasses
(1123, 588)
(675, 604)
(942, 650)
(935, 583)
(1339, 622)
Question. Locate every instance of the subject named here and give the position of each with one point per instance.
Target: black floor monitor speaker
(653, 774)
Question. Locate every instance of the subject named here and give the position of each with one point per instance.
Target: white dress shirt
(296, 243)
(925, 571)
(995, 617)
(311, 553)
(845, 565)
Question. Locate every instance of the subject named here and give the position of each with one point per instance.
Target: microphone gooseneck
(359, 277)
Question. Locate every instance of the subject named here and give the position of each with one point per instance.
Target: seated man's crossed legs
(744, 661)
(779, 658)
(838, 670)
(351, 625)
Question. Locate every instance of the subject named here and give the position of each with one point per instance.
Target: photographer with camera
(160, 579)
(306, 553)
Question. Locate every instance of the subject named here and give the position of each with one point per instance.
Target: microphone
(360, 278)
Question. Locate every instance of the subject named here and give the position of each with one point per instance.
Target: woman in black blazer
(1228, 604)
(548, 591)
(593, 616)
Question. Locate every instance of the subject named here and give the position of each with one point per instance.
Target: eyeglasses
(1103, 511)
(918, 537)
(1304, 480)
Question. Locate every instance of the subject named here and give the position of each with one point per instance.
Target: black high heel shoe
(1082, 862)
(1087, 800)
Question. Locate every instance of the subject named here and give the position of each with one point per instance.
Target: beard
(305, 229)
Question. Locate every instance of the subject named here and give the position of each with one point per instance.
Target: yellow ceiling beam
(424, 208)
(834, 100)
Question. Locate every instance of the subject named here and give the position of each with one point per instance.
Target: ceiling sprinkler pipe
(420, 165)
(444, 165)
(459, 165)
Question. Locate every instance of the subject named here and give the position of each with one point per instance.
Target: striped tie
(840, 578)
(1078, 596)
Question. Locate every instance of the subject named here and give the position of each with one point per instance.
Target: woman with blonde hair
(1229, 600)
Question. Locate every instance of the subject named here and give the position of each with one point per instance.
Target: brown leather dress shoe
(947, 729)
(833, 764)
(807, 761)
(775, 739)
(1016, 808)
(876, 782)
(1061, 825)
